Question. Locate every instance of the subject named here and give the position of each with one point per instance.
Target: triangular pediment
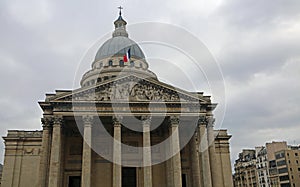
(130, 88)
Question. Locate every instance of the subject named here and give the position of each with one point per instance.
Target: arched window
(110, 63)
(121, 63)
(131, 63)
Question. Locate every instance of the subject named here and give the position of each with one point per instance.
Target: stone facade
(245, 169)
(24, 154)
(288, 166)
(275, 165)
(22, 158)
(91, 135)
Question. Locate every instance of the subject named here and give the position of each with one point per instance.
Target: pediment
(130, 89)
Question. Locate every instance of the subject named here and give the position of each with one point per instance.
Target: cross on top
(120, 7)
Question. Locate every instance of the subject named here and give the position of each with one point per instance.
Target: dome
(118, 55)
(118, 46)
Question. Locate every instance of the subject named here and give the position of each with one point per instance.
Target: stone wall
(22, 158)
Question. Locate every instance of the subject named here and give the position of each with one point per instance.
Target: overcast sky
(256, 43)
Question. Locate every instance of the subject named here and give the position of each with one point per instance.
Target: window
(281, 163)
(284, 178)
(272, 164)
(110, 63)
(141, 65)
(285, 185)
(121, 63)
(131, 63)
(296, 154)
(279, 155)
(282, 170)
(101, 65)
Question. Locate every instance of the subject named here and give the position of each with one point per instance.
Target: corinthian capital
(117, 120)
(210, 121)
(146, 119)
(47, 121)
(57, 120)
(174, 120)
(202, 120)
(87, 119)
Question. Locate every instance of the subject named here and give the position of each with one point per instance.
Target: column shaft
(55, 158)
(87, 152)
(44, 162)
(195, 162)
(204, 157)
(176, 160)
(147, 154)
(117, 158)
(169, 166)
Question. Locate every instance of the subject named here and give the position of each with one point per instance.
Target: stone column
(204, 154)
(87, 152)
(117, 154)
(176, 160)
(195, 162)
(169, 167)
(214, 168)
(55, 158)
(147, 151)
(44, 162)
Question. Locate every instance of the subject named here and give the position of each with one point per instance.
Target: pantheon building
(121, 128)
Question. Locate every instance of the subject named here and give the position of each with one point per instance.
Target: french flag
(126, 57)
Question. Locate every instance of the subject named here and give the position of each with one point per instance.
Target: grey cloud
(249, 14)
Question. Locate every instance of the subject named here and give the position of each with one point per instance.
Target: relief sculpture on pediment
(130, 92)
